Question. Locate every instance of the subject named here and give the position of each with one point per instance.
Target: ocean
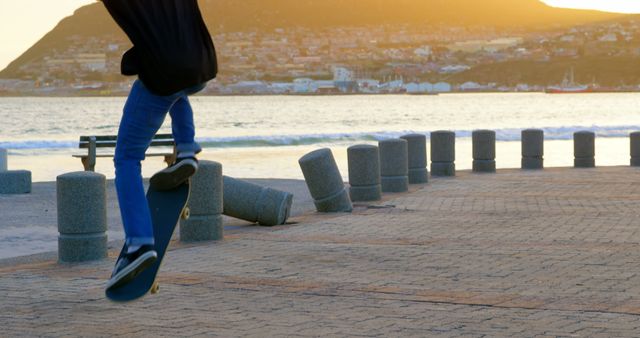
(264, 136)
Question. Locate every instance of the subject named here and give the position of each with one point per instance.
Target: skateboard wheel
(186, 213)
(155, 288)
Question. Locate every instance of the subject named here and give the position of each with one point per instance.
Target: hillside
(235, 15)
(606, 71)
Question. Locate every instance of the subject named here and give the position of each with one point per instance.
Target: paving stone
(516, 254)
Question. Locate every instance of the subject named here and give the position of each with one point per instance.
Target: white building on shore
(304, 86)
(427, 87)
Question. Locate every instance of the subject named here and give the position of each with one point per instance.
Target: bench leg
(87, 165)
(170, 160)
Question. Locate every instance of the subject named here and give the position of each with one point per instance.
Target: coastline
(125, 94)
(282, 161)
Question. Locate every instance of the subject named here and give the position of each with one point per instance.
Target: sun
(620, 6)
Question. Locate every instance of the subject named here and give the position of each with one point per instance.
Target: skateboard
(167, 207)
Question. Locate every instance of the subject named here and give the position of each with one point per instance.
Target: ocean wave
(503, 135)
(38, 144)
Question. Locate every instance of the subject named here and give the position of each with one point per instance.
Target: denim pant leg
(182, 126)
(143, 115)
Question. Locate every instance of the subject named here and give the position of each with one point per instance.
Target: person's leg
(183, 128)
(143, 115)
(184, 135)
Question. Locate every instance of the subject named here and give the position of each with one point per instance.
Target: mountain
(611, 71)
(241, 15)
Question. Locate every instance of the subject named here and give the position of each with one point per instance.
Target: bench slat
(114, 137)
(112, 144)
(111, 155)
(92, 143)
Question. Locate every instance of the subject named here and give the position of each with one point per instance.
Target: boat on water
(568, 86)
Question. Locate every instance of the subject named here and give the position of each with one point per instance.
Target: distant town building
(395, 86)
(412, 87)
(424, 51)
(611, 37)
(250, 87)
(368, 86)
(342, 74)
(304, 86)
(474, 46)
(471, 86)
(452, 69)
(442, 87)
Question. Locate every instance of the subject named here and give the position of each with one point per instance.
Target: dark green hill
(242, 15)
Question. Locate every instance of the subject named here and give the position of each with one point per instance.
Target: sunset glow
(24, 22)
(621, 6)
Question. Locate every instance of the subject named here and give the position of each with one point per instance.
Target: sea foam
(503, 135)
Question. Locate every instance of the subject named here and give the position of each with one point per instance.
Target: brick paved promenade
(524, 254)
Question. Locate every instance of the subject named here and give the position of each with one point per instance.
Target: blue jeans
(143, 115)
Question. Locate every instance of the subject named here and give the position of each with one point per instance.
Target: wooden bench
(93, 143)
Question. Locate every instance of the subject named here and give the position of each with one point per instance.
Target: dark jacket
(172, 49)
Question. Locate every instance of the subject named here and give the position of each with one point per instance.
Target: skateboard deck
(166, 209)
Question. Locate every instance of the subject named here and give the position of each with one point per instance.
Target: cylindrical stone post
(325, 181)
(635, 149)
(394, 165)
(256, 204)
(205, 205)
(364, 173)
(82, 216)
(418, 172)
(484, 151)
(584, 148)
(443, 153)
(15, 182)
(532, 149)
(4, 160)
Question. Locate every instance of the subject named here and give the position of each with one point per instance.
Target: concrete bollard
(635, 148)
(15, 182)
(205, 205)
(418, 172)
(394, 165)
(256, 204)
(532, 149)
(4, 160)
(364, 173)
(443, 153)
(584, 148)
(484, 151)
(82, 216)
(325, 181)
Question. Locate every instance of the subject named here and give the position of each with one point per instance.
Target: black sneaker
(173, 176)
(130, 265)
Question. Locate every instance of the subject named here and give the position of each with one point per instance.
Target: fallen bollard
(443, 153)
(325, 182)
(418, 172)
(394, 165)
(256, 204)
(635, 148)
(532, 149)
(484, 151)
(14, 182)
(82, 217)
(205, 205)
(584, 148)
(364, 173)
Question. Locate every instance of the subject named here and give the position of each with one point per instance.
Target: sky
(24, 22)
